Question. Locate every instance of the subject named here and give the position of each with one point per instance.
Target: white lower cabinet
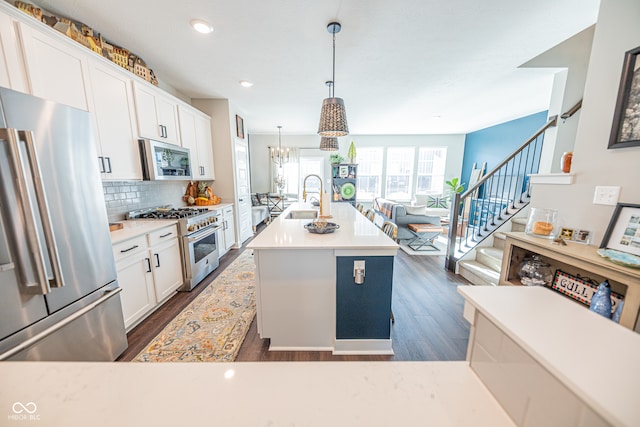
(228, 227)
(149, 271)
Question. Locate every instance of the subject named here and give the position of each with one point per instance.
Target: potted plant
(336, 159)
(352, 152)
(453, 187)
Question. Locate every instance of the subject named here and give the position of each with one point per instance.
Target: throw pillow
(416, 210)
(255, 200)
(437, 202)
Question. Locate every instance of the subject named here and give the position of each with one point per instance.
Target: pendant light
(333, 116)
(329, 143)
(279, 156)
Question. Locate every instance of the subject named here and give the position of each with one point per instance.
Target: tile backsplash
(123, 196)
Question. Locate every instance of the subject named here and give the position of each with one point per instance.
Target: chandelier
(279, 155)
(333, 116)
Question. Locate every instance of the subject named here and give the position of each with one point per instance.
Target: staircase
(496, 198)
(485, 269)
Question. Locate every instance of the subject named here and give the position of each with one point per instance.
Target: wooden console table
(575, 259)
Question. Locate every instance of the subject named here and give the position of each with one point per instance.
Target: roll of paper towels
(326, 204)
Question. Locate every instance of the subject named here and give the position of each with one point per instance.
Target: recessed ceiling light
(245, 83)
(201, 26)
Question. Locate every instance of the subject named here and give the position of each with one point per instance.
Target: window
(311, 165)
(430, 173)
(399, 173)
(369, 176)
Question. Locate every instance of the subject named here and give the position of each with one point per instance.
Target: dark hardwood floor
(427, 309)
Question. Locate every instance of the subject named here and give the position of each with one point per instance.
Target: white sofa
(259, 213)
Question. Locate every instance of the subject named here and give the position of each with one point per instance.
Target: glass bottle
(535, 272)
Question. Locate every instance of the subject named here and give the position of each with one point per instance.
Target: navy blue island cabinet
(363, 311)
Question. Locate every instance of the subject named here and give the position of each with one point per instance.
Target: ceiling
(402, 66)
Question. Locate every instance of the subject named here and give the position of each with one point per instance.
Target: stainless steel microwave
(163, 161)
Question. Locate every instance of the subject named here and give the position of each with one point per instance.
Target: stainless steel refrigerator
(59, 297)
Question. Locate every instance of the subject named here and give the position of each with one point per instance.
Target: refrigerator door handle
(44, 285)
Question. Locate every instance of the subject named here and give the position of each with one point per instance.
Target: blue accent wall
(494, 143)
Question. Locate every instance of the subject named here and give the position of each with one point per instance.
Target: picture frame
(239, 127)
(577, 235)
(625, 130)
(623, 232)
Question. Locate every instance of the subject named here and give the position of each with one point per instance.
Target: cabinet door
(148, 126)
(167, 269)
(205, 146)
(137, 297)
(167, 113)
(115, 121)
(188, 139)
(12, 72)
(229, 228)
(57, 71)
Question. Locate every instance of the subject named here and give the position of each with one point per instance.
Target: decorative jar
(535, 272)
(565, 161)
(542, 223)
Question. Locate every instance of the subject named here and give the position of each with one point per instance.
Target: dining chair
(390, 229)
(371, 215)
(360, 207)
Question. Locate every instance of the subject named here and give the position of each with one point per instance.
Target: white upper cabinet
(12, 73)
(114, 112)
(195, 134)
(57, 71)
(157, 114)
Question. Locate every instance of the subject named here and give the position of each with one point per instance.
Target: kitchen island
(307, 298)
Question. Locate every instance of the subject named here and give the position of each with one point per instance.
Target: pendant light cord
(333, 84)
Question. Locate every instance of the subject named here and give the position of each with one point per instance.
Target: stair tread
(499, 235)
(479, 272)
(519, 220)
(491, 252)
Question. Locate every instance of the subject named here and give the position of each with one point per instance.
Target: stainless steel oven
(198, 228)
(200, 254)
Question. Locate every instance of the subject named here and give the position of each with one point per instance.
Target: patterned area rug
(213, 327)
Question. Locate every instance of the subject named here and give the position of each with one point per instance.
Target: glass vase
(535, 272)
(542, 223)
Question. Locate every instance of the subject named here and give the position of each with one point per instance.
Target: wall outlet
(606, 195)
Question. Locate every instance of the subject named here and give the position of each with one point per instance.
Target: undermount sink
(302, 214)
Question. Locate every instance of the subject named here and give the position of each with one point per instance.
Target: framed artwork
(239, 127)
(623, 232)
(625, 131)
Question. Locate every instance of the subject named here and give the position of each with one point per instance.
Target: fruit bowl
(321, 227)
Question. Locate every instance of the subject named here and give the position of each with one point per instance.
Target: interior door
(243, 195)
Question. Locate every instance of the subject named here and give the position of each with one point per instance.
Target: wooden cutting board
(115, 226)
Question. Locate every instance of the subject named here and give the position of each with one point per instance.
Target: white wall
(259, 152)
(568, 88)
(617, 31)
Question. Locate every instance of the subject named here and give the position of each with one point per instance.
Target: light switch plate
(606, 195)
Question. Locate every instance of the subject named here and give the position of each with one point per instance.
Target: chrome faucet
(304, 189)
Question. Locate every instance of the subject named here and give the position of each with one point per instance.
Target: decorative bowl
(321, 227)
(620, 258)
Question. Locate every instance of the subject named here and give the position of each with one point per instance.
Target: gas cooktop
(166, 213)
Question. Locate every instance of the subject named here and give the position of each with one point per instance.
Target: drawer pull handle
(130, 249)
(148, 265)
(168, 234)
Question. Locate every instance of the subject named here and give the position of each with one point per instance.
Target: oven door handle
(202, 234)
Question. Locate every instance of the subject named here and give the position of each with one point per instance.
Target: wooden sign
(580, 289)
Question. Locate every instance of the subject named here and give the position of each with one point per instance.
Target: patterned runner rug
(214, 325)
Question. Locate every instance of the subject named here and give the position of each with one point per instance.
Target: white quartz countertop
(594, 357)
(355, 232)
(135, 228)
(443, 394)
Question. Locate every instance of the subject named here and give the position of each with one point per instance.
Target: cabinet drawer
(129, 247)
(228, 210)
(163, 235)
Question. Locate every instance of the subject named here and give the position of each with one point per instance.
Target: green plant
(335, 159)
(454, 186)
(352, 152)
